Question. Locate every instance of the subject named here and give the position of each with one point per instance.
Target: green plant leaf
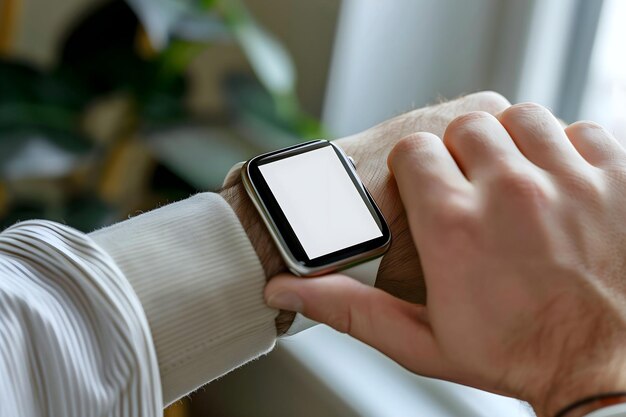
(270, 60)
(23, 83)
(28, 115)
(201, 155)
(176, 57)
(47, 106)
(183, 19)
(35, 154)
(247, 96)
(17, 81)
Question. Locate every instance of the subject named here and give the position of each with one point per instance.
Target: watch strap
(365, 273)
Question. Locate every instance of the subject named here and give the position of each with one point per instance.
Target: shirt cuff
(201, 286)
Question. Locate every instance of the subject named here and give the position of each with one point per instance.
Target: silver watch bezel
(292, 263)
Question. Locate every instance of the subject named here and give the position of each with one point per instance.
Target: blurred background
(113, 107)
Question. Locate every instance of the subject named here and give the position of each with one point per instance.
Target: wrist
(261, 240)
(399, 271)
(251, 221)
(599, 403)
(593, 387)
(235, 194)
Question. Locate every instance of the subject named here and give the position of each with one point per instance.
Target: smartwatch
(318, 212)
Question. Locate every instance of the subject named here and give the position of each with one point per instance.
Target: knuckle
(343, 281)
(469, 119)
(597, 144)
(457, 225)
(455, 213)
(467, 122)
(522, 111)
(616, 167)
(583, 127)
(583, 186)
(414, 142)
(522, 186)
(616, 178)
(469, 127)
(489, 101)
(344, 317)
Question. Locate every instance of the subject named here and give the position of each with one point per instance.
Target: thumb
(395, 327)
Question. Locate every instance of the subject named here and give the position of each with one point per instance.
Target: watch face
(317, 205)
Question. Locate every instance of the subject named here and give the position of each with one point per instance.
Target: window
(604, 98)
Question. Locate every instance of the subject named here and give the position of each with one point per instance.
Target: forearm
(260, 239)
(235, 195)
(200, 284)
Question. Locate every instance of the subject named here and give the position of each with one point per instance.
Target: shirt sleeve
(200, 283)
(74, 340)
(130, 318)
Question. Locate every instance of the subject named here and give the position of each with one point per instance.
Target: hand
(400, 272)
(521, 228)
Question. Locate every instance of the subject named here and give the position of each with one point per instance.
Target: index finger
(427, 176)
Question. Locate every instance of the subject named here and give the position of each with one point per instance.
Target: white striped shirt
(130, 318)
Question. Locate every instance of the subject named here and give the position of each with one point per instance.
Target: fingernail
(285, 301)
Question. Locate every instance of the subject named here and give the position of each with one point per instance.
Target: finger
(540, 137)
(594, 143)
(480, 144)
(426, 175)
(487, 101)
(425, 158)
(440, 115)
(397, 328)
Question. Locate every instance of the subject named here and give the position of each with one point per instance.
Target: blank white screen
(320, 201)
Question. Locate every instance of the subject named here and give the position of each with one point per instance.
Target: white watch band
(618, 410)
(365, 273)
